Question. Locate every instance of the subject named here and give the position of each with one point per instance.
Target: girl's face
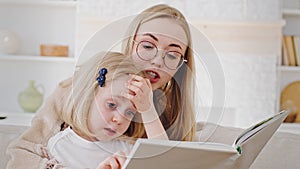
(170, 40)
(110, 113)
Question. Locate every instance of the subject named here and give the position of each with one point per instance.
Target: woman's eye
(112, 105)
(147, 45)
(173, 55)
(170, 56)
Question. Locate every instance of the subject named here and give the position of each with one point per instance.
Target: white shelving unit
(30, 58)
(36, 22)
(291, 15)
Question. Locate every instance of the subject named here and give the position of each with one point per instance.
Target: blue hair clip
(101, 78)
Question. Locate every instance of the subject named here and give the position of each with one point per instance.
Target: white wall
(245, 33)
(36, 22)
(39, 23)
(246, 36)
(15, 75)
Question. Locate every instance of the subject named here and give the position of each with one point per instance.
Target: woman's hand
(115, 161)
(140, 93)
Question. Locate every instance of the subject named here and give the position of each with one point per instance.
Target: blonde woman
(159, 39)
(164, 52)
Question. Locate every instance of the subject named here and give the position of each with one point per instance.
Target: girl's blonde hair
(83, 87)
(178, 118)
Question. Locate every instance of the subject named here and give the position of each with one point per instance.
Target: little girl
(102, 105)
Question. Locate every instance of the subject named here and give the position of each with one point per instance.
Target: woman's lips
(152, 76)
(109, 131)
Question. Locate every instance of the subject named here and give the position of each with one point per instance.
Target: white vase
(9, 42)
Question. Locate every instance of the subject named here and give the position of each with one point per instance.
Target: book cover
(297, 49)
(288, 40)
(285, 57)
(165, 154)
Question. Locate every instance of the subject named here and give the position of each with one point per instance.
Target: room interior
(245, 38)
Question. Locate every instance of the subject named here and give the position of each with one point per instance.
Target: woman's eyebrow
(151, 35)
(175, 45)
(156, 39)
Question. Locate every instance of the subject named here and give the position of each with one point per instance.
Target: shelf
(16, 119)
(289, 68)
(291, 12)
(54, 3)
(238, 23)
(37, 58)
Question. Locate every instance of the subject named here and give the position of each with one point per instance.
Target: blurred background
(42, 41)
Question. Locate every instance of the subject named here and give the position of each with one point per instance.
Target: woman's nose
(158, 60)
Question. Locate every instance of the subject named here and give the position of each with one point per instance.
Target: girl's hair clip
(101, 78)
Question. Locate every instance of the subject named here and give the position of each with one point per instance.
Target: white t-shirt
(72, 151)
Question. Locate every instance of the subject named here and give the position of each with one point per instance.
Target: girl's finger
(129, 96)
(134, 89)
(109, 163)
(148, 83)
(141, 79)
(137, 77)
(113, 163)
(120, 157)
(136, 83)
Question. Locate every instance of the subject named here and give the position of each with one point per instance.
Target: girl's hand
(140, 93)
(115, 161)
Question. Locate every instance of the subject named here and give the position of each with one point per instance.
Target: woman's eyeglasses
(147, 51)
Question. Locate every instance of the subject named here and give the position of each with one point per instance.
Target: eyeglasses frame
(136, 50)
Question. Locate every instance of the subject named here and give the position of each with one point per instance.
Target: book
(165, 154)
(289, 43)
(285, 57)
(297, 49)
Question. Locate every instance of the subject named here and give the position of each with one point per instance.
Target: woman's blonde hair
(178, 118)
(83, 87)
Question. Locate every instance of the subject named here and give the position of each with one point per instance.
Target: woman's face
(170, 40)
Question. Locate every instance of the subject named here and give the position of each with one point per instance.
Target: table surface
(16, 119)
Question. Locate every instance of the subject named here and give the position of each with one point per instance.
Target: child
(98, 112)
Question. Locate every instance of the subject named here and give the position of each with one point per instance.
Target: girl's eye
(129, 114)
(112, 105)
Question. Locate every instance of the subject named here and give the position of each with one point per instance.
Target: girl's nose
(158, 60)
(117, 118)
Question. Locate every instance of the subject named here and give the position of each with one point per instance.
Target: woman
(177, 83)
(164, 52)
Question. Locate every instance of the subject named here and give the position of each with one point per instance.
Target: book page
(165, 154)
(253, 141)
(275, 121)
(162, 154)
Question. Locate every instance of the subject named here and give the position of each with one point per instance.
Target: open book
(163, 154)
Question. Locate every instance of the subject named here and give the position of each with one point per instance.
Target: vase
(9, 42)
(32, 97)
